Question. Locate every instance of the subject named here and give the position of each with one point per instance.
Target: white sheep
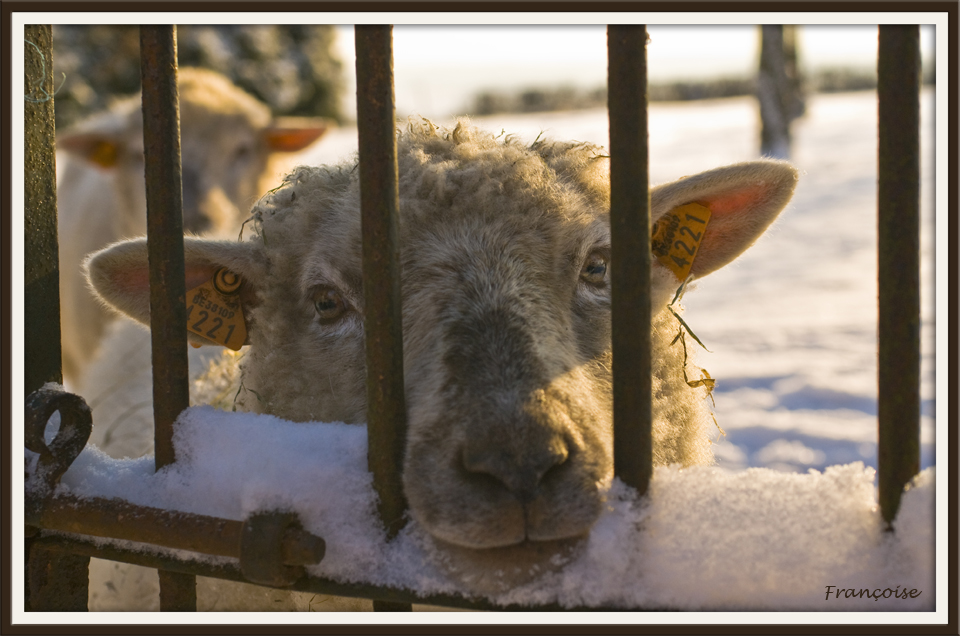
(229, 139)
(505, 250)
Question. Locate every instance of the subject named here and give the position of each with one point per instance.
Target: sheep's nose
(521, 469)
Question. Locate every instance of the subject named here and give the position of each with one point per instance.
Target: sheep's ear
(290, 134)
(743, 199)
(120, 275)
(99, 149)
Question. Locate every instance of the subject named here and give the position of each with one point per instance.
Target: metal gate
(272, 549)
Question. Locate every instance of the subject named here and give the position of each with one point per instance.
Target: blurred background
(485, 69)
(453, 70)
(296, 70)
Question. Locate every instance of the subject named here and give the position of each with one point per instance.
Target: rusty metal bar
(379, 205)
(161, 143)
(161, 138)
(898, 199)
(178, 592)
(118, 519)
(391, 606)
(54, 582)
(41, 250)
(630, 254)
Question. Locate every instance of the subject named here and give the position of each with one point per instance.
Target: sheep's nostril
(520, 473)
(560, 458)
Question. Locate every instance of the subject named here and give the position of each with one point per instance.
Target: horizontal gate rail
(310, 584)
(118, 519)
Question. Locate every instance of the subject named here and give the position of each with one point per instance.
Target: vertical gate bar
(383, 333)
(379, 205)
(55, 582)
(898, 211)
(630, 254)
(161, 144)
(41, 250)
(161, 138)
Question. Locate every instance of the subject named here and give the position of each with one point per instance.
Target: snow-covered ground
(792, 330)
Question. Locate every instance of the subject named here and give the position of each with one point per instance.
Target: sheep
(119, 388)
(228, 143)
(505, 252)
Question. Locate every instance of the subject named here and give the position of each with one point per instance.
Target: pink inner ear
(133, 281)
(291, 139)
(198, 274)
(736, 200)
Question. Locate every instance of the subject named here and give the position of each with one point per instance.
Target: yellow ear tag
(104, 154)
(214, 311)
(677, 236)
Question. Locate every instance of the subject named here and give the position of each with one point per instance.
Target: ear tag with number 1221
(214, 311)
(677, 236)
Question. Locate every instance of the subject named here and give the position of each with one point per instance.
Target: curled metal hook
(76, 423)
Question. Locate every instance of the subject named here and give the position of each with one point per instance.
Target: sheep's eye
(242, 152)
(329, 304)
(594, 270)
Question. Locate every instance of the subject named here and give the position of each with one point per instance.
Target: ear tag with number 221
(677, 236)
(214, 311)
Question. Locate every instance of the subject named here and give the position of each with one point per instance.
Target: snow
(707, 539)
(791, 506)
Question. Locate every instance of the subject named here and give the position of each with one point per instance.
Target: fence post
(630, 254)
(898, 212)
(55, 582)
(161, 144)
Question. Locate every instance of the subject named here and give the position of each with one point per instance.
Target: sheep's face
(227, 141)
(507, 299)
(505, 258)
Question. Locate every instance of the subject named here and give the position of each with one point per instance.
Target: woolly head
(505, 254)
(228, 138)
